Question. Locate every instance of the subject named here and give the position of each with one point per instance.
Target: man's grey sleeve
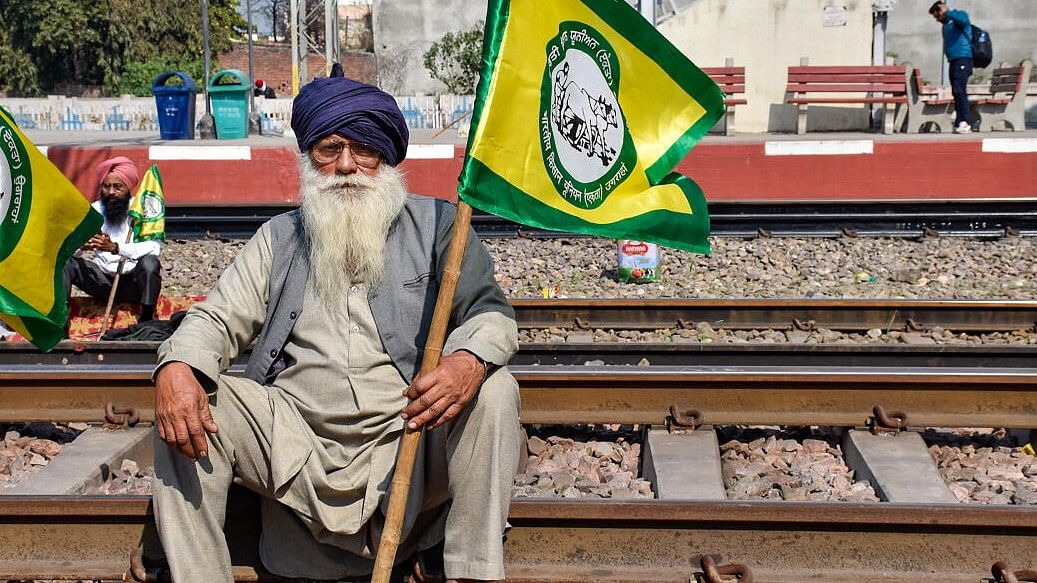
(491, 336)
(483, 321)
(216, 330)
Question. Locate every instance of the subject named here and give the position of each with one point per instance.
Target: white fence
(139, 113)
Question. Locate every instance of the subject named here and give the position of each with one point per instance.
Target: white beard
(347, 220)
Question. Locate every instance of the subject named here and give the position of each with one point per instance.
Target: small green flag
(149, 208)
(582, 111)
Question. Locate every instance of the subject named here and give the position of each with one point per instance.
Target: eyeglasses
(329, 151)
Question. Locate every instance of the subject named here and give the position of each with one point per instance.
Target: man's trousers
(468, 503)
(142, 284)
(959, 71)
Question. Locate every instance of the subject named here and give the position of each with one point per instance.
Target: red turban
(124, 168)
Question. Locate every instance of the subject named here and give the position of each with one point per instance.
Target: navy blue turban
(354, 110)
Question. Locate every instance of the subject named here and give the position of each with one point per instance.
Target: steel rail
(591, 541)
(844, 397)
(677, 353)
(779, 396)
(579, 316)
(779, 314)
(763, 354)
(781, 542)
(974, 218)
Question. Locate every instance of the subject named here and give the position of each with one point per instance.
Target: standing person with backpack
(957, 46)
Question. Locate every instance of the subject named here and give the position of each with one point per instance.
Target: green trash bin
(228, 94)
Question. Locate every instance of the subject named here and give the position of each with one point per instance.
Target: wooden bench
(1005, 104)
(837, 85)
(925, 105)
(731, 81)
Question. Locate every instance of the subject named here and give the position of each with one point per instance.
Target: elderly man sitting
(339, 297)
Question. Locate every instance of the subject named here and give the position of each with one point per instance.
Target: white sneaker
(963, 128)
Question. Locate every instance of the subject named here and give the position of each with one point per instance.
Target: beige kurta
(334, 412)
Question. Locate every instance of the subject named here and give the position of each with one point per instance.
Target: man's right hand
(182, 410)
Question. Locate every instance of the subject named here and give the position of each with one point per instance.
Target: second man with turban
(141, 279)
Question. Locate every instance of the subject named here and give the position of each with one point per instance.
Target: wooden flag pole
(115, 286)
(452, 122)
(401, 480)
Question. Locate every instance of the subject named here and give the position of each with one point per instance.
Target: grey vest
(402, 303)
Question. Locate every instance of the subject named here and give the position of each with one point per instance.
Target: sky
(260, 17)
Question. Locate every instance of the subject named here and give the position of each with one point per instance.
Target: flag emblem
(15, 184)
(585, 144)
(152, 204)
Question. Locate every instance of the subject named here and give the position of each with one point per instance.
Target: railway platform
(764, 168)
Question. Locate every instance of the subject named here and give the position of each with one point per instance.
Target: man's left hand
(439, 396)
(101, 242)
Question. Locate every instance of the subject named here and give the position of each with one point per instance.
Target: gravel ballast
(582, 462)
(940, 268)
(984, 467)
(27, 448)
(775, 464)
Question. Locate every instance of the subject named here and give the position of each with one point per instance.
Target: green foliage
(16, 69)
(95, 42)
(455, 58)
(137, 77)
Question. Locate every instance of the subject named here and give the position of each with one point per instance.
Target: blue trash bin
(175, 105)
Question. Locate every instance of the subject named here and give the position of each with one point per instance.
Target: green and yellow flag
(43, 220)
(149, 208)
(582, 111)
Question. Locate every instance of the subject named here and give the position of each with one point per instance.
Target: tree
(136, 78)
(93, 42)
(277, 12)
(454, 59)
(17, 72)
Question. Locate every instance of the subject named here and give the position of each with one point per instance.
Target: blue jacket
(957, 35)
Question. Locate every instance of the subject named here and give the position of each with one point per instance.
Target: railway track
(782, 314)
(795, 219)
(577, 319)
(69, 537)
(596, 541)
(667, 540)
(845, 397)
(569, 353)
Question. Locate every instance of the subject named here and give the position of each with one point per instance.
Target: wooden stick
(401, 480)
(115, 286)
(452, 122)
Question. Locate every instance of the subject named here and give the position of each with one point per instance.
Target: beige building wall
(766, 36)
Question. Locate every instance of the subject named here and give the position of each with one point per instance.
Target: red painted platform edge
(909, 170)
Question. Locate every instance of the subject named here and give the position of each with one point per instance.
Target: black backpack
(982, 48)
